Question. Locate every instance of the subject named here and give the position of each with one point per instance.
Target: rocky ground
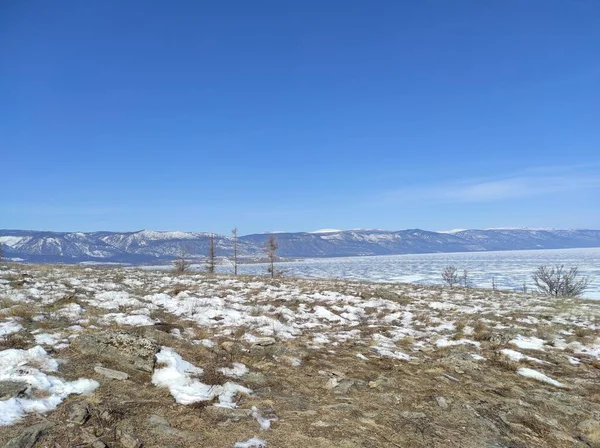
(119, 357)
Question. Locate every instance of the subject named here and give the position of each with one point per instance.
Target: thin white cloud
(489, 190)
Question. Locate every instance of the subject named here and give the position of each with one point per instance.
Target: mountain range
(148, 246)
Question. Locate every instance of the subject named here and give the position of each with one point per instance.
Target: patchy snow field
(509, 269)
(249, 361)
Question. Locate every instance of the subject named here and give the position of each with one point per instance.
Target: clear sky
(299, 115)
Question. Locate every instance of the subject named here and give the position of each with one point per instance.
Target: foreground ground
(222, 361)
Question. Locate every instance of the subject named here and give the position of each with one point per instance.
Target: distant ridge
(151, 246)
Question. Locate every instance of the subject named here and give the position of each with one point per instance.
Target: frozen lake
(510, 269)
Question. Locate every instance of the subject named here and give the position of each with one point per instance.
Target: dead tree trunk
(210, 262)
(234, 232)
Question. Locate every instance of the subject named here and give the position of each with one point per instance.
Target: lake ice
(510, 269)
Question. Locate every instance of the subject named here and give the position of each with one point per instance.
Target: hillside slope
(151, 246)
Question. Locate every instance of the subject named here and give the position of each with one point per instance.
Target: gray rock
(591, 431)
(161, 427)
(385, 382)
(344, 386)
(10, 389)
(255, 379)
(166, 327)
(332, 383)
(219, 414)
(500, 338)
(413, 415)
(128, 440)
(264, 342)
(110, 373)
(107, 417)
(29, 436)
(78, 412)
(92, 440)
(227, 345)
(450, 377)
(342, 407)
(441, 402)
(157, 420)
(121, 348)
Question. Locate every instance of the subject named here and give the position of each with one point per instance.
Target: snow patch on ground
(590, 350)
(386, 348)
(10, 326)
(136, 320)
(252, 443)
(237, 370)
(513, 355)
(113, 300)
(531, 373)
(265, 423)
(55, 340)
(441, 306)
(18, 365)
(181, 378)
(443, 342)
(528, 343)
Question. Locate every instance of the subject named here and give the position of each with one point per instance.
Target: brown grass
(582, 333)
(16, 340)
(5, 302)
(460, 325)
(212, 376)
(488, 401)
(499, 360)
(481, 332)
(535, 424)
(26, 312)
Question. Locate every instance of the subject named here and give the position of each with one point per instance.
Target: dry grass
(423, 317)
(499, 360)
(25, 312)
(546, 332)
(582, 333)
(534, 423)
(460, 324)
(178, 289)
(5, 302)
(212, 376)
(378, 402)
(16, 340)
(481, 332)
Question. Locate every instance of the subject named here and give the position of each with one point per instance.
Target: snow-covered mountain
(149, 246)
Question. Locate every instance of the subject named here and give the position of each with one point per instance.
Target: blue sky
(299, 115)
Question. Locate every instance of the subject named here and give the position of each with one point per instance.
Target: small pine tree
(271, 249)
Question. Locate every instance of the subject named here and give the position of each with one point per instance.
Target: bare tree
(450, 276)
(210, 262)
(234, 232)
(181, 263)
(556, 281)
(271, 249)
(465, 279)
